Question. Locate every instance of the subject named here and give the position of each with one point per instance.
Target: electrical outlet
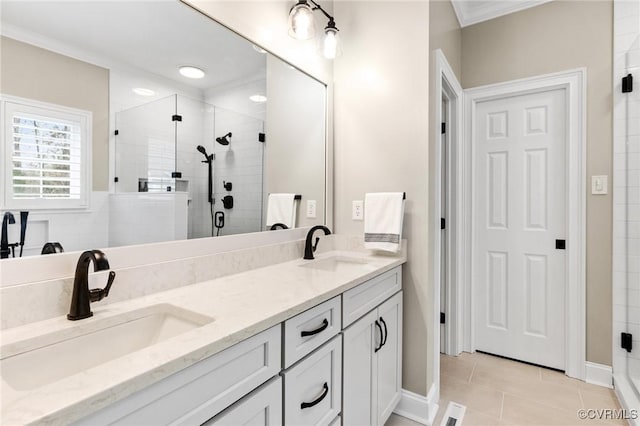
(599, 185)
(357, 212)
(311, 209)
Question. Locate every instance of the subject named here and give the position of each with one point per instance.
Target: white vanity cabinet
(339, 362)
(372, 359)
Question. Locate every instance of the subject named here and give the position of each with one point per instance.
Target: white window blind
(46, 155)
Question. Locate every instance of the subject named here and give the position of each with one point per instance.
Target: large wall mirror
(137, 122)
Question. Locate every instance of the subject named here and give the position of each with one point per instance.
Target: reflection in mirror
(140, 122)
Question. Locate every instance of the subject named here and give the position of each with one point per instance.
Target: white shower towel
(281, 208)
(383, 214)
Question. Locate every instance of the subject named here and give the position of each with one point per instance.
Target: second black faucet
(309, 248)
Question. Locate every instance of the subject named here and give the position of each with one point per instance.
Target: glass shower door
(194, 147)
(631, 200)
(145, 147)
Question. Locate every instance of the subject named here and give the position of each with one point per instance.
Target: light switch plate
(599, 185)
(357, 212)
(311, 209)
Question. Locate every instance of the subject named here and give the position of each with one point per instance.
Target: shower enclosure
(626, 200)
(159, 156)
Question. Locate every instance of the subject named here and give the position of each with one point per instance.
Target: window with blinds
(45, 153)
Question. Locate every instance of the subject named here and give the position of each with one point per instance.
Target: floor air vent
(453, 415)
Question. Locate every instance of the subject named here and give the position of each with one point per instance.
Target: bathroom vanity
(300, 342)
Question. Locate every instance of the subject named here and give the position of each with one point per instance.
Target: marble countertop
(240, 305)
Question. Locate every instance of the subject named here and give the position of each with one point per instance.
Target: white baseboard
(418, 408)
(598, 374)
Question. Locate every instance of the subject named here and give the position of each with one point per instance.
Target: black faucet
(82, 296)
(275, 226)
(310, 248)
(8, 219)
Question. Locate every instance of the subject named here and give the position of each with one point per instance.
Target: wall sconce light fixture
(301, 26)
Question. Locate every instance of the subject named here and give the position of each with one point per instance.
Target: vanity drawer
(202, 390)
(263, 406)
(365, 297)
(310, 329)
(313, 387)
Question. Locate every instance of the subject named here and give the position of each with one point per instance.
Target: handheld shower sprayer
(222, 140)
(203, 150)
(209, 161)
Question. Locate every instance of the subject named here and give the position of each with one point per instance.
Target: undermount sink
(335, 263)
(96, 342)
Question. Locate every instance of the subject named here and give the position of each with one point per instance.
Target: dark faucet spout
(7, 219)
(309, 247)
(81, 296)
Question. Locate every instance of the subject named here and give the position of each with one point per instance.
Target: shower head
(222, 140)
(203, 151)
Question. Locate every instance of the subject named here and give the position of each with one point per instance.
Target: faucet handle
(315, 246)
(98, 294)
(112, 276)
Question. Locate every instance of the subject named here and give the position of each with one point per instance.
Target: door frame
(574, 82)
(446, 85)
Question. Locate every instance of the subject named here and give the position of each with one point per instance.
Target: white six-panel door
(518, 281)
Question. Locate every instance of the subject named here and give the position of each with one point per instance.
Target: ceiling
(471, 12)
(152, 36)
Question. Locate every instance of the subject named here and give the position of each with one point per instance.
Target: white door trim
(574, 81)
(446, 84)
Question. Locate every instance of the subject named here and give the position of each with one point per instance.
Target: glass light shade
(191, 72)
(258, 98)
(331, 43)
(301, 24)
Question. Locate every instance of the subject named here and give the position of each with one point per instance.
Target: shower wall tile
(240, 162)
(626, 188)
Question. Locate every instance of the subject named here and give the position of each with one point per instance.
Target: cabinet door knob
(381, 336)
(317, 400)
(384, 340)
(324, 325)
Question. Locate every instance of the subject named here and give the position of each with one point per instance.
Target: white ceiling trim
(471, 12)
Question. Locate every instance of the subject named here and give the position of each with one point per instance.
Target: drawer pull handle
(386, 334)
(324, 325)
(381, 336)
(320, 398)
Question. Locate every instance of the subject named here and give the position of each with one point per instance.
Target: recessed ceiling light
(258, 98)
(143, 92)
(191, 72)
(259, 49)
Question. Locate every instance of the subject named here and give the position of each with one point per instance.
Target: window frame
(12, 104)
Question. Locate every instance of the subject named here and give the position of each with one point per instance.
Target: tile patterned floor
(500, 392)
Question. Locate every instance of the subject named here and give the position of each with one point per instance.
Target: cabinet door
(262, 407)
(359, 388)
(389, 358)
